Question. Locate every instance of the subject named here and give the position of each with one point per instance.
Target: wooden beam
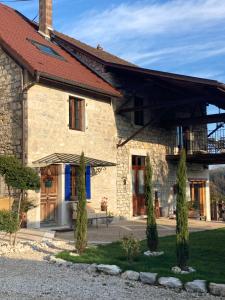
(151, 122)
(165, 104)
(217, 127)
(207, 119)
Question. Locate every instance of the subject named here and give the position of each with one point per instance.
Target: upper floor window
(76, 114)
(139, 113)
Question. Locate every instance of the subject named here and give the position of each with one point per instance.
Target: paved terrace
(114, 232)
(117, 230)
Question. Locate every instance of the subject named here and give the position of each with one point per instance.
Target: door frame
(136, 211)
(46, 223)
(202, 193)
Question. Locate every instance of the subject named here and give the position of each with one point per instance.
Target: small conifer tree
(151, 230)
(81, 221)
(182, 234)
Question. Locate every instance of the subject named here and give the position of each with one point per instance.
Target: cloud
(149, 19)
(168, 34)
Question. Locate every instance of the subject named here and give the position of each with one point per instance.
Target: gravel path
(27, 275)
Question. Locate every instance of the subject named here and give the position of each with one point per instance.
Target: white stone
(198, 286)
(170, 282)
(74, 254)
(153, 253)
(176, 270)
(92, 268)
(131, 275)
(147, 277)
(109, 269)
(191, 270)
(217, 289)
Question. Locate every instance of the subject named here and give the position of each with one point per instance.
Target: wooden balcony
(202, 146)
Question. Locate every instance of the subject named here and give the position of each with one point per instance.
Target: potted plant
(104, 204)
(193, 210)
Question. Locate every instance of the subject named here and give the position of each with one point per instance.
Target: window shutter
(67, 182)
(88, 182)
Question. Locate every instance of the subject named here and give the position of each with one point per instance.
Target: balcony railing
(199, 142)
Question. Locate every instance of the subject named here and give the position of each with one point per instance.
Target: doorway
(198, 195)
(49, 194)
(138, 185)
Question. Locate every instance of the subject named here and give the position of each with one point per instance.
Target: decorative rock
(177, 270)
(148, 278)
(196, 286)
(92, 268)
(170, 282)
(153, 253)
(191, 270)
(217, 289)
(109, 269)
(131, 275)
(74, 254)
(59, 261)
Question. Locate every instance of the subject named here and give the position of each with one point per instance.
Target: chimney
(45, 17)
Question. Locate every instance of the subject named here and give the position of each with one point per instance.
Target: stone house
(60, 97)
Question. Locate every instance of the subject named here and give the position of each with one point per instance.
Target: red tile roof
(15, 33)
(101, 54)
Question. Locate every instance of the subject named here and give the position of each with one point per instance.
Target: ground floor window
(71, 182)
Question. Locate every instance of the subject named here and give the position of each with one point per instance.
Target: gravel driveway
(27, 275)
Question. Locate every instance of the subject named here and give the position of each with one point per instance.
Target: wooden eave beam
(196, 120)
(165, 104)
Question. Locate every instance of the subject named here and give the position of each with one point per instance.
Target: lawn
(207, 256)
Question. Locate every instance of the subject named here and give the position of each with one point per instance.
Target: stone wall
(154, 141)
(10, 106)
(151, 140)
(10, 110)
(48, 132)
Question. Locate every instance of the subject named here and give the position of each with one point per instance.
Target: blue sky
(181, 36)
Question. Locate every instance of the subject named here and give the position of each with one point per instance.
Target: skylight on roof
(47, 49)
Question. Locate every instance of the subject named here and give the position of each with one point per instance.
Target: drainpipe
(25, 86)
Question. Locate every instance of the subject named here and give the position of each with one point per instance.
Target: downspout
(25, 86)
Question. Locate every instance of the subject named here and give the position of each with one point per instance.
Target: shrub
(182, 234)
(19, 179)
(81, 222)
(131, 247)
(8, 221)
(151, 230)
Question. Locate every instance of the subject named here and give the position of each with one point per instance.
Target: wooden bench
(93, 216)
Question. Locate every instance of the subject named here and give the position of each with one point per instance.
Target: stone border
(196, 286)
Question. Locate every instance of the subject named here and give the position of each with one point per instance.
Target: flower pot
(194, 214)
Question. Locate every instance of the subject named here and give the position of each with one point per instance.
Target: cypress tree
(182, 234)
(151, 230)
(81, 221)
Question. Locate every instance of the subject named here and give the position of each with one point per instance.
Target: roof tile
(16, 33)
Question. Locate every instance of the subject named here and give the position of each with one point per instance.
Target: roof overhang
(66, 158)
(200, 158)
(191, 79)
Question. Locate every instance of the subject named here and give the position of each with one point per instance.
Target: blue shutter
(88, 182)
(67, 182)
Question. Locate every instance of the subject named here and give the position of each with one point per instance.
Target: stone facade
(11, 106)
(46, 124)
(48, 132)
(10, 110)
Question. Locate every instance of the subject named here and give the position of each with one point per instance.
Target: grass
(207, 256)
